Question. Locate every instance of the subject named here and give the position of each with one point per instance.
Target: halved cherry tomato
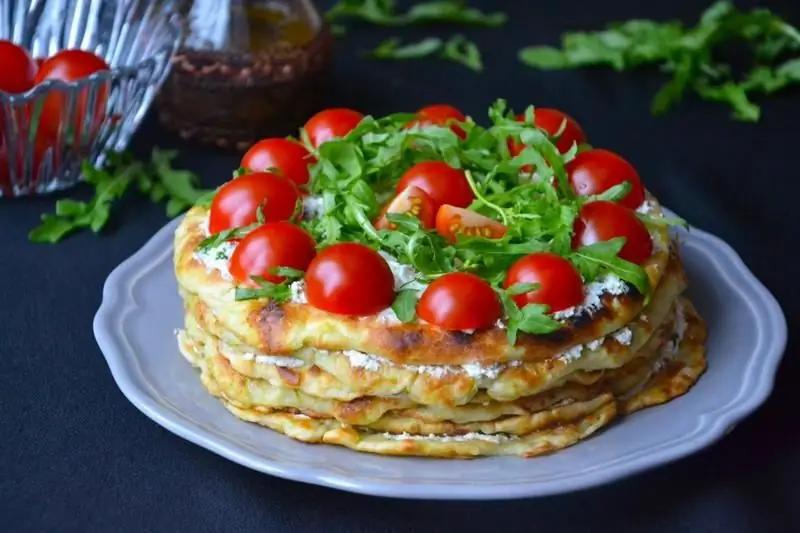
(560, 284)
(596, 171)
(440, 115)
(349, 279)
(68, 66)
(602, 221)
(289, 157)
(18, 68)
(443, 183)
(275, 244)
(330, 124)
(411, 201)
(452, 221)
(237, 202)
(459, 301)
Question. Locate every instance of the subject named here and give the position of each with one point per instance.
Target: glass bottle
(247, 69)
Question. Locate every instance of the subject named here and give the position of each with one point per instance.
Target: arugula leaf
(594, 259)
(392, 49)
(457, 49)
(277, 292)
(530, 319)
(157, 179)
(405, 305)
(464, 52)
(384, 12)
(687, 55)
(287, 272)
(72, 215)
(212, 241)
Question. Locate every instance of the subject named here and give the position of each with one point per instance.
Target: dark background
(76, 456)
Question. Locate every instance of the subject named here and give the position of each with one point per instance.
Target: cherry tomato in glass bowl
(70, 66)
(330, 124)
(18, 70)
(349, 279)
(290, 158)
(602, 221)
(560, 284)
(452, 221)
(411, 201)
(460, 301)
(440, 115)
(595, 171)
(275, 244)
(443, 183)
(236, 203)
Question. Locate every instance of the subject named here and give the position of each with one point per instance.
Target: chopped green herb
(457, 49)
(405, 305)
(278, 292)
(157, 179)
(384, 12)
(688, 54)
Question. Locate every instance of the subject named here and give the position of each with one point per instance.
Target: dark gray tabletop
(76, 456)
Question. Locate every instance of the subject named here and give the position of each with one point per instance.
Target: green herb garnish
(384, 13)
(456, 49)
(405, 305)
(689, 55)
(277, 292)
(355, 174)
(157, 179)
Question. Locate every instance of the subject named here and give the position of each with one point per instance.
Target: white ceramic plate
(747, 336)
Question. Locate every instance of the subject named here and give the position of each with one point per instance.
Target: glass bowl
(137, 38)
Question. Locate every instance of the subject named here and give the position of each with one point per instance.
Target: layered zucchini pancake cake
(418, 284)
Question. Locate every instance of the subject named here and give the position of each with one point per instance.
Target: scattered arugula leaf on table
(688, 55)
(457, 49)
(384, 13)
(157, 179)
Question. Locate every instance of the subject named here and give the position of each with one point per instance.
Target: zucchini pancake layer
(418, 284)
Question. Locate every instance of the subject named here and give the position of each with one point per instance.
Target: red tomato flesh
(550, 120)
(440, 115)
(560, 284)
(602, 221)
(69, 66)
(349, 279)
(290, 159)
(237, 202)
(443, 183)
(452, 221)
(275, 244)
(595, 171)
(330, 124)
(460, 301)
(18, 70)
(411, 201)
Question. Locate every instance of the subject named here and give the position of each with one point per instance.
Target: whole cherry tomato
(411, 201)
(290, 158)
(452, 221)
(460, 301)
(69, 66)
(349, 279)
(236, 204)
(602, 221)
(440, 115)
(595, 171)
(560, 284)
(275, 244)
(330, 124)
(443, 183)
(550, 121)
(18, 69)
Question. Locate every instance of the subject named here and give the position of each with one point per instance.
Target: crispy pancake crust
(546, 423)
(276, 329)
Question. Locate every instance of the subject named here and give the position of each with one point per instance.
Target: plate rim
(757, 386)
